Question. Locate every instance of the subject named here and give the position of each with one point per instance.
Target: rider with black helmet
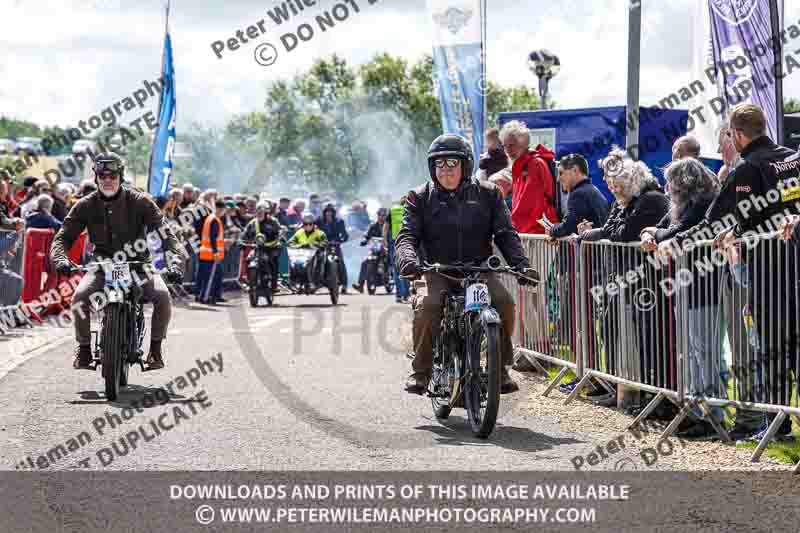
(376, 229)
(117, 219)
(455, 218)
(335, 230)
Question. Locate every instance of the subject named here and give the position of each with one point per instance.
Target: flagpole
(775, 22)
(483, 54)
(160, 100)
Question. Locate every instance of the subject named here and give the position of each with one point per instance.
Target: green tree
(791, 105)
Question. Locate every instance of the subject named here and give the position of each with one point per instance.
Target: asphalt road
(303, 386)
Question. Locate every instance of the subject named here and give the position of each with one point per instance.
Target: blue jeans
(401, 285)
(708, 370)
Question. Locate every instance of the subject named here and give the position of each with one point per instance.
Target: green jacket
(316, 238)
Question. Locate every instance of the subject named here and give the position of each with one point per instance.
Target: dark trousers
(209, 280)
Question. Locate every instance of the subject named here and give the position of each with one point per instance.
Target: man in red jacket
(533, 192)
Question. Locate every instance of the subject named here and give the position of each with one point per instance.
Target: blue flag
(164, 140)
(459, 66)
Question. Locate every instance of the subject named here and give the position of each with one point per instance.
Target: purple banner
(745, 55)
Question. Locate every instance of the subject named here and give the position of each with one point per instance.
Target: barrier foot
(581, 384)
(538, 365)
(716, 425)
(556, 381)
(797, 468)
(683, 413)
(647, 410)
(773, 428)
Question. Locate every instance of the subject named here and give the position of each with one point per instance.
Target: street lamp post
(544, 65)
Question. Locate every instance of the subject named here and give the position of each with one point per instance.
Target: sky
(65, 60)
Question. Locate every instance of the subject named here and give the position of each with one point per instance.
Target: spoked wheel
(482, 383)
(440, 387)
(333, 283)
(111, 344)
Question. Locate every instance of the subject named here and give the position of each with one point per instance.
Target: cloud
(67, 59)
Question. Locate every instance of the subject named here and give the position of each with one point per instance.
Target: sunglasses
(451, 163)
(108, 177)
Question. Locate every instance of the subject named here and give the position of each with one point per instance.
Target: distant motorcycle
(259, 269)
(378, 268)
(313, 268)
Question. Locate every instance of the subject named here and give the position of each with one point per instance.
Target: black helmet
(109, 163)
(382, 212)
(329, 207)
(450, 145)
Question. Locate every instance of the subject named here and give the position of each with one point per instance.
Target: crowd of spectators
(693, 203)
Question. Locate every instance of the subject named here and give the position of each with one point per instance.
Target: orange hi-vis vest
(206, 252)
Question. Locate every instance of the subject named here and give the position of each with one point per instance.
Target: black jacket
(334, 231)
(112, 223)
(719, 216)
(493, 161)
(704, 288)
(585, 202)
(624, 224)
(457, 226)
(375, 230)
(769, 172)
(59, 210)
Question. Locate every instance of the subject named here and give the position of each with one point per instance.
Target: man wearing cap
(116, 218)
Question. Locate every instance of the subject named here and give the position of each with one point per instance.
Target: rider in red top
(533, 193)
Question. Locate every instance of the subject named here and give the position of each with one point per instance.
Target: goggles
(450, 163)
(106, 167)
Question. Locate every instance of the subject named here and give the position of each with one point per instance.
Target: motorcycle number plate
(476, 296)
(118, 275)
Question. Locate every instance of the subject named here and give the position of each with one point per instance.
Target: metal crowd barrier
(741, 312)
(692, 329)
(547, 327)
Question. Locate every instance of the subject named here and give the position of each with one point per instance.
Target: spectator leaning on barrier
(533, 191)
(7, 203)
(767, 192)
(692, 188)
(24, 194)
(585, 202)
(639, 203)
(42, 217)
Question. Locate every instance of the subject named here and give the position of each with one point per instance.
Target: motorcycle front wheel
(111, 344)
(482, 383)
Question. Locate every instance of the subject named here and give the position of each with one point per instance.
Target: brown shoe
(507, 383)
(83, 358)
(154, 359)
(417, 383)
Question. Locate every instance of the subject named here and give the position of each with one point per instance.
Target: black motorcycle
(260, 273)
(379, 272)
(118, 343)
(466, 352)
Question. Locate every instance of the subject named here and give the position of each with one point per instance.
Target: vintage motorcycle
(312, 268)
(260, 273)
(118, 342)
(379, 272)
(466, 350)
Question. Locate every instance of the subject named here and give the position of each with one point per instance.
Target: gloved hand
(410, 270)
(364, 242)
(531, 277)
(174, 275)
(64, 267)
